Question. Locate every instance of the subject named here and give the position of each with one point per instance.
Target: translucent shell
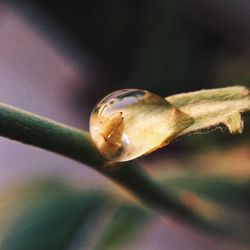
(129, 123)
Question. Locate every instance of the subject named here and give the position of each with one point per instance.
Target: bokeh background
(58, 58)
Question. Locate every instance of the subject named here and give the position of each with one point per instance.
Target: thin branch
(38, 131)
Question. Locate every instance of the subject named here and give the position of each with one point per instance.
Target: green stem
(38, 131)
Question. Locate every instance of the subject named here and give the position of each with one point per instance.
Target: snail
(129, 123)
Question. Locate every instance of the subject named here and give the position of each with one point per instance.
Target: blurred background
(58, 58)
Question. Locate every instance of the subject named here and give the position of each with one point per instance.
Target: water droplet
(129, 123)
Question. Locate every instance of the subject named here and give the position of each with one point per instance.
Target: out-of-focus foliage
(126, 221)
(216, 185)
(222, 201)
(51, 215)
(47, 216)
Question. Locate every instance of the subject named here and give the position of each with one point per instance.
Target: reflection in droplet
(131, 122)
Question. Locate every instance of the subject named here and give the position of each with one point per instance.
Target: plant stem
(44, 133)
(38, 131)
